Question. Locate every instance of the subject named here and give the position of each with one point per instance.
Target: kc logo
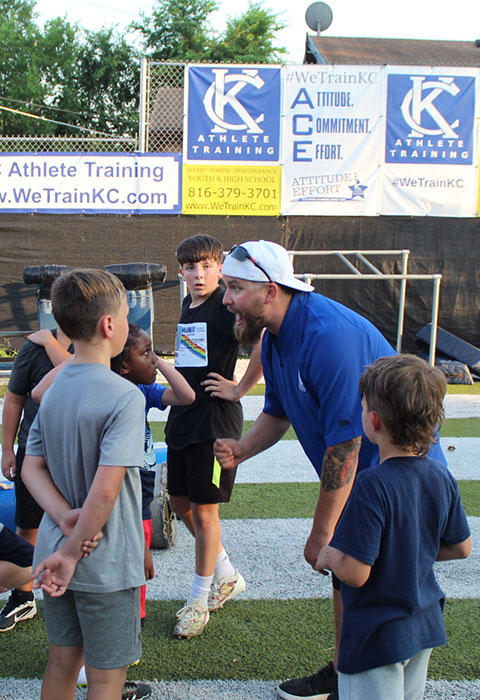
(233, 113)
(415, 103)
(216, 99)
(430, 118)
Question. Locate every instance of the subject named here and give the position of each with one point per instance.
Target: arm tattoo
(340, 464)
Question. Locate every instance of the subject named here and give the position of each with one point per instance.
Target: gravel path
(456, 406)
(287, 462)
(252, 543)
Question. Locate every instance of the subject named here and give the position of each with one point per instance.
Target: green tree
(106, 83)
(250, 38)
(68, 76)
(176, 30)
(58, 52)
(61, 73)
(179, 30)
(20, 72)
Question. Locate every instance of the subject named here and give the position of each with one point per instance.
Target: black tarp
(437, 245)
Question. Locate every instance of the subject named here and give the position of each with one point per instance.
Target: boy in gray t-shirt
(88, 432)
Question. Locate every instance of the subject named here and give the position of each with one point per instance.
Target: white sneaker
(82, 677)
(192, 618)
(224, 589)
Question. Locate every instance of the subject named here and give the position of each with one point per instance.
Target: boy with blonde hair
(87, 436)
(411, 515)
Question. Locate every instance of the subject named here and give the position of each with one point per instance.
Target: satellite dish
(318, 16)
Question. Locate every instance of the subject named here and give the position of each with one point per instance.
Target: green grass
(158, 431)
(278, 500)
(259, 389)
(298, 500)
(252, 639)
(452, 427)
(463, 388)
(470, 493)
(269, 639)
(460, 427)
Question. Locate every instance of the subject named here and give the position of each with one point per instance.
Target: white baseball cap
(263, 261)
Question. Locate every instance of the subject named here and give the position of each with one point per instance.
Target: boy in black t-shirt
(38, 355)
(206, 354)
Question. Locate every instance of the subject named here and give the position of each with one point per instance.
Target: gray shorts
(106, 625)
(405, 679)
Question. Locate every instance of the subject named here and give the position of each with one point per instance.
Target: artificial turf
(452, 427)
(251, 639)
(298, 500)
(259, 389)
(265, 639)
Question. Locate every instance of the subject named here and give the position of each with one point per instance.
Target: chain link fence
(160, 127)
(162, 106)
(161, 120)
(68, 144)
(161, 110)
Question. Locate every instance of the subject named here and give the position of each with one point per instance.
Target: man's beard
(250, 332)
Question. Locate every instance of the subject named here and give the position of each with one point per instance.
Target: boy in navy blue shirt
(16, 556)
(411, 516)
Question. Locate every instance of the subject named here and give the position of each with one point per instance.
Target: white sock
(223, 567)
(201, 588)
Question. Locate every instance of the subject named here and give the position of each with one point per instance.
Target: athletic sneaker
(224, 589)
(19, 606)
(135, 691)
(192, 618)
(317, 687)
(82, 676)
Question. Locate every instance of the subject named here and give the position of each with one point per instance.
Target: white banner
(430, 149)
(90, 183)
(332, 140)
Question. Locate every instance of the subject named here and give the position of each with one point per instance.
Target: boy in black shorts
(206, 354)
(38, 355)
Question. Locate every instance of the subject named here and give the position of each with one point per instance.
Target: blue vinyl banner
(430, 118)
(430, 141)
(233, 114)
(90, 183)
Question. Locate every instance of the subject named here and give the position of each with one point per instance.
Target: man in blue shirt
(313, 354)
